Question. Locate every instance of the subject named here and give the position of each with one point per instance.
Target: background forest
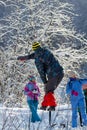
(60, 25)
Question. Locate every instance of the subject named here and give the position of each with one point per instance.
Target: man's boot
(43, 107)
(51, 108)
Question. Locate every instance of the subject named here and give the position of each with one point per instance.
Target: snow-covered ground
(18, 119)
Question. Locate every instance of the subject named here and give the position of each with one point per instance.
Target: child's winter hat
(30, 77)
(71, 73)
(35, 46)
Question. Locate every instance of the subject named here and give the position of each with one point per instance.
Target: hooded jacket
(32, 91)
(74, 88)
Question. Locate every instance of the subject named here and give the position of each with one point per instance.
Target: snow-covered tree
(46, 21)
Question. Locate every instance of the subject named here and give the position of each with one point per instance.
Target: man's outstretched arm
(27, 57)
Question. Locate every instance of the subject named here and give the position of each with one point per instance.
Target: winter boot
(43, 107)
(51, 108)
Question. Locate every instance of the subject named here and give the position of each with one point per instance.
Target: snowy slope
(18, 119)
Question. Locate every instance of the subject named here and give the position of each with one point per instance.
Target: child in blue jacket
(74, 89)
(32, 92)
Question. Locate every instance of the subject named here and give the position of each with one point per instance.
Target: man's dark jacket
(47, 65)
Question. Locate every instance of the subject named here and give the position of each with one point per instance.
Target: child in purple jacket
(32, 91)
